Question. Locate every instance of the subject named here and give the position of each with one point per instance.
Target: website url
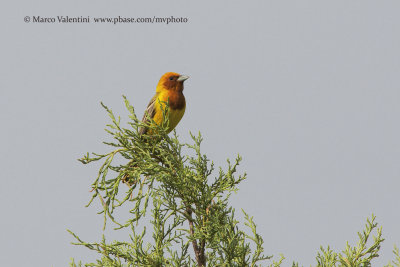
(154, 19)
(108, 20)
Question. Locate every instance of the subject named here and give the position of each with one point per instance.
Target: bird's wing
(149, 113)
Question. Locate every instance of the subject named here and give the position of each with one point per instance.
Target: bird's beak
(182, 78)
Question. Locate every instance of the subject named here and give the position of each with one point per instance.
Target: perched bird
(169, 89)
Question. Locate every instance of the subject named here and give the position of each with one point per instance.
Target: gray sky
(306, 91)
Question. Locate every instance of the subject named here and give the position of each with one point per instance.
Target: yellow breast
(176, 111)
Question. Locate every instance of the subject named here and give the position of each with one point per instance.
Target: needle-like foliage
(187, 200)
(193, 224)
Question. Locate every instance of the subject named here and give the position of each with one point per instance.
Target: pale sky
(306, 91)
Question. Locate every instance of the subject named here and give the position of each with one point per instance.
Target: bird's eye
(171, 78)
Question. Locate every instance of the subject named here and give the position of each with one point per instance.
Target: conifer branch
(188, 199)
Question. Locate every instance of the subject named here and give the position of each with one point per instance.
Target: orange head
(172, 81)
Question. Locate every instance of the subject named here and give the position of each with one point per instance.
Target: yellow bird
(169, 89)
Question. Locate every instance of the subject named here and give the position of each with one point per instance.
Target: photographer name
(60, 19)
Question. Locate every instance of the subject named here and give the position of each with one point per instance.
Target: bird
(169, 90)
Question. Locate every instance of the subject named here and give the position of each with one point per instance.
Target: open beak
(182, 78)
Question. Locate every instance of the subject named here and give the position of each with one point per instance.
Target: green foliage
(396, 261)
(192, 222)
(360, 255)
